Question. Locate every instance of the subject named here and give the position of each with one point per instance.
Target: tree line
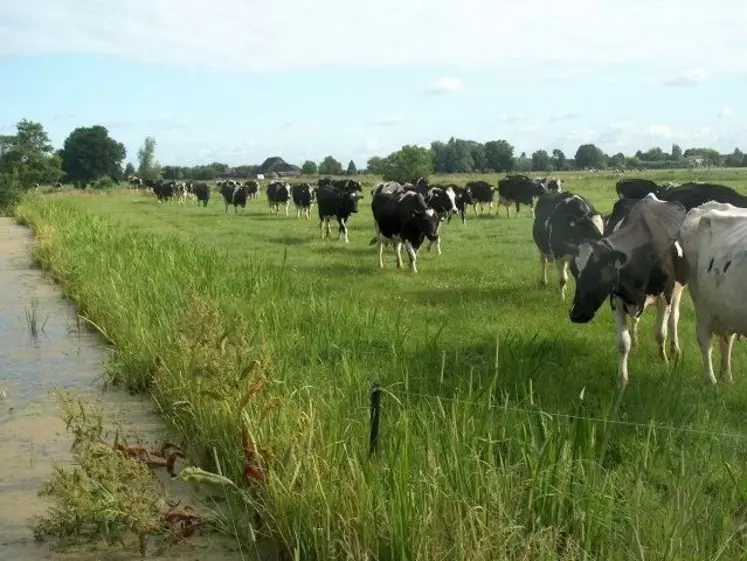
(90, 154)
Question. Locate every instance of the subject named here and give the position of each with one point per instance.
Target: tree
(375, 165)
(148, 167)
(523, 163)
(654, 154)
(90, 153)
(408, 163)
(558, 160)
(29, 156)
(352, 170)
(618, 160)
(540, 161)
(479, 156)
(309, 168)
(330, 166)
(735, 159)
(129, 169)
(590, 156)
(676, 152)
(499, 155)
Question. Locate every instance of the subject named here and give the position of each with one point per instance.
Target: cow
(333, 202)
(135, 182)
(561, 222)
(303, 197)
(403, 218)
(278, 193)
(693, 194)
(234, 194)
(58, 185)
(636, 188)
(252, 187)
(344, 184)
(482, 192)
(518, 189)
(713, 238)
(180, 192)
(551, 184)
(638, 264)
(463, 200)
(202, 193)
(164, 190)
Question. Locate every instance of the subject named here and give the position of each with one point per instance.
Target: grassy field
(503, 435)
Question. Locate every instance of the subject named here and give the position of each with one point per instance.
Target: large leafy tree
(540, 161)
(330, 166)
(28, 155)
(499, 155)
(309, 168)
(408, 163)
(90, 153)
(148, 167)
(590, 156)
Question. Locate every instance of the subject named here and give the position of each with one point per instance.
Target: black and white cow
(561, 222)
(348, 185)
(234, 194)
(518, 190)
(692, 195)
(403, 218)
(333, 202)
(303, 196)
(278, 193)
(636, 188)
(135, 182)
(202, 192)
(252, 188)
(464, 199)
(164, 190)
(638, 264)
(551, 184)
(482, 192)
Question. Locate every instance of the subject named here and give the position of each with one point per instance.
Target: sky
(237, 81)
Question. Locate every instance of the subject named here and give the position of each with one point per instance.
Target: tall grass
(502, 436)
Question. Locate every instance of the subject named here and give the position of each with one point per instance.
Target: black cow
(252, 187)
(482, 192)
(234, 194)
(403, 218)
(519, 190)
(201, 191)
(693, 194)
(348, 185)
(639, 263)
(551, 184)
(278, 193)
(463, 200)
(303, 196)
(337, 203)
(164, 190)
(561, 222)
(636, 188)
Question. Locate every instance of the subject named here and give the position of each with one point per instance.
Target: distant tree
(744, 161)
(352, 170)
(709, 156)
(676, 152)
(632, 162)
(558, 160)
(458, 156)
(479, 157)
(309, 168)
(618, 160)
(29, 156)
(654, 154)
(149, 168)
(523, 163)
(540, 161)
(129, 169)
(330, 166)
(170, 172)
(440, 160)
(590, 156)
(735, 159)
(89, 153)
(499, 155)
(375, 165)
(219, 167)
(407, 163)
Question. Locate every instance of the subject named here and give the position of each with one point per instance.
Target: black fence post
(375, 418)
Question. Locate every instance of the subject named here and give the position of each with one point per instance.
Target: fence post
(375, 418)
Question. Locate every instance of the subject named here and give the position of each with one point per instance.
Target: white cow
(714, 242)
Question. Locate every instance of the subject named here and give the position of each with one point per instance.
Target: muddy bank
(42, 346)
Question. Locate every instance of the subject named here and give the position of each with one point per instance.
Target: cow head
(596, 266)
(428, 222)
(351, 200)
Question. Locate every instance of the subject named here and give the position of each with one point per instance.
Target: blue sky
(239, 80)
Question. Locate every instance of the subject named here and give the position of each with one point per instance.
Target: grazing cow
(691, 195)
(278, 193)
(561, 222)
(403, 218)
(482, 192)
(252, 187)
(303, 197)
(234, 194)
(202, 193)
(520, 190)
(463, 200)
(636, 188)
(714, 238)
(337, 203)
(551, 184)
(636, 265)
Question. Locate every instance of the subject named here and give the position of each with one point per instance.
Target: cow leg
(286, 208)
(725, 346)
(543, 269)
(705, 341)
(674, 320)
(381, 253)
(663, 310)
(398, 248)
(623, 343)
(561, 266)
(634, 331)
(321, 227)
(412, 254)
(343, 229)
(226, 208)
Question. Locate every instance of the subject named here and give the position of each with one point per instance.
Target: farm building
(276, 165)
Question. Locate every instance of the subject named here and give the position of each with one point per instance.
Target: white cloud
(660, 131)
(445, 85)
(370, 147)
(388, 121)
(725, 111)
(529, 128)
(241, 34)
(565, 116)
(689, 78)
(508, 119)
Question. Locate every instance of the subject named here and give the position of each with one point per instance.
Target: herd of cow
(656, 240)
